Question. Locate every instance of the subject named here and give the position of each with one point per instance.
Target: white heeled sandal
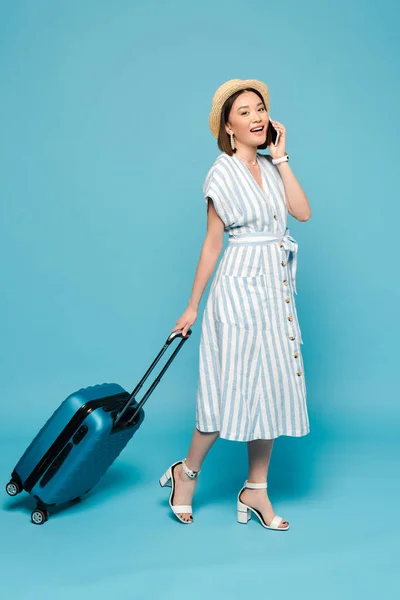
(167, 480)
(244, 511)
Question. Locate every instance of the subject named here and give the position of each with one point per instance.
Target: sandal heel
(165, 480)
(243, 513)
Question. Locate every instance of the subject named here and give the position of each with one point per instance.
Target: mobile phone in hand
(274, 134)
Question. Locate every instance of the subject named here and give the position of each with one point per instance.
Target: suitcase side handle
(170, 339)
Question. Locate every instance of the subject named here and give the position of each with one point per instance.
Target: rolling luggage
(81, 440)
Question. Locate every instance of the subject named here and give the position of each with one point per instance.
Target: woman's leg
(184, 486)
(259, 455)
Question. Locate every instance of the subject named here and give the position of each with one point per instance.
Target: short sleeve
(214, 187)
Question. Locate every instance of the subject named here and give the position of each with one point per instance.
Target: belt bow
(289, 243)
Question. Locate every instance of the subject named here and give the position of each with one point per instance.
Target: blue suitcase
(81, 440)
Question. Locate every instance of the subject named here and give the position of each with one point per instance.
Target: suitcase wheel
(39, 516)
(13, 488)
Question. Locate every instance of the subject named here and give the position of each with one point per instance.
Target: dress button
(275, 217)
(299, 372)
(290, 318)
(287, 299)
(285, 282)
(296, 355)
(283, 263)
(292, 337)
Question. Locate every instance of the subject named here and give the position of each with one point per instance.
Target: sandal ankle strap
(255, 486)
(189, 472)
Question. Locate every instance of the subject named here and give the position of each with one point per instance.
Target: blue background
(104, 149)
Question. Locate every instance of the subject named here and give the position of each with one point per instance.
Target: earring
(232, 141)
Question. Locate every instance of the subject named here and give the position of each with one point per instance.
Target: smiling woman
(251, 375)
(240, 116)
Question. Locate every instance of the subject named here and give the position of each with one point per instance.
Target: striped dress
(251, 373)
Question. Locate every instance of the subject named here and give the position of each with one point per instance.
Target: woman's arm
(210, 252)
(295, 198)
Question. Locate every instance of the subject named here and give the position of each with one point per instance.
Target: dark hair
(224, 143)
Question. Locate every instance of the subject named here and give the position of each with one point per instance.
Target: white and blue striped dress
(251, 372)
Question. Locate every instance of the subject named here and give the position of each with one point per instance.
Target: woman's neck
(247, 153)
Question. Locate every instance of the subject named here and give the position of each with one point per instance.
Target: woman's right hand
(186, 320)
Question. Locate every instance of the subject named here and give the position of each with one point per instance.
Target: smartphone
(274, 134)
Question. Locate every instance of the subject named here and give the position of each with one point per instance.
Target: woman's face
(247, 113)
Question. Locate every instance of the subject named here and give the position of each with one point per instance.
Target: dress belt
(265, 237)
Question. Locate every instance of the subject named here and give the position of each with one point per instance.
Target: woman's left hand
(280, 149)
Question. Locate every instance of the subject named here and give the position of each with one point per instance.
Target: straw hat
(227, 89)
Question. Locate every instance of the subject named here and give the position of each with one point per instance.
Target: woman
(251, 381)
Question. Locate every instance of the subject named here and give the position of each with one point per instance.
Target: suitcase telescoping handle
(171, 337)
